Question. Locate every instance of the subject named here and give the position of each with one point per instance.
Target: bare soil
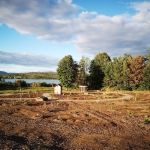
(74, 125)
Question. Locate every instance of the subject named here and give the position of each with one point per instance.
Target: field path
(124, 97)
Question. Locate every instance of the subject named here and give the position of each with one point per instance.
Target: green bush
(146, 120)
(122, 87)
(20, 83)
(41, 84)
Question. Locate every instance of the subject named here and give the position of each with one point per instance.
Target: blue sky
(35, 35)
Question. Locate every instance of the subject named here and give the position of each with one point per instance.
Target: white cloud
(46, 19)
(116, 35)
(28, 59)
(90, 32)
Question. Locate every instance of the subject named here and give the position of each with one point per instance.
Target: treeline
(22, 83)
(31, 75)
(127, 72)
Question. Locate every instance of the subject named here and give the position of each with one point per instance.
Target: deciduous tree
(136, 66)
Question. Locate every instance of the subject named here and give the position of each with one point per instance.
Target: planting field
(90, 121)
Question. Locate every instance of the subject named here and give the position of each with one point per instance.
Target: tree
(108, 79)
(95, 76)
(146, 77)
(102, 59)
(20, 83)
(67, 71)
(136, 66)
(84, 65)
(146, 72)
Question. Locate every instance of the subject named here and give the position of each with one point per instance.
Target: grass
(131, 114)
(146, 120)
(25, 90)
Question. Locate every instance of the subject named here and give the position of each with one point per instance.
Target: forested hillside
(31, 75)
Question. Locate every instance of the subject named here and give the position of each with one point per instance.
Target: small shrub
(59, 118)
(131, 114)
(146, 120)
(20, 83)
(25, 102)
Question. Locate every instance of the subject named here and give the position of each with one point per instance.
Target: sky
(35, 35)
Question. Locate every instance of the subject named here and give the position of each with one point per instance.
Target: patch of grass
(25, 102)
(44, 104)
(28, 90)
(59, 118)
(146, 120)
(131, 114)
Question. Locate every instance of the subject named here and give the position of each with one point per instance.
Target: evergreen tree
(103, 60)
(83, 71)
(67, 71)
(146, 77)
(117, 70)
(95, 76)
(146, 72)
(108, 79)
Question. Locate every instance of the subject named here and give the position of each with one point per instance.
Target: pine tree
(95, 76)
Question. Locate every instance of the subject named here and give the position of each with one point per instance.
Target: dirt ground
(121, 124)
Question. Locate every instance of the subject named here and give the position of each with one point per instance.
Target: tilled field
(120, 124)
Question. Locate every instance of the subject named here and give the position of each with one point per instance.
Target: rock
(44, 98)
(39, 99)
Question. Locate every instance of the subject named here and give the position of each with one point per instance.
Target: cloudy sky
(35, 35)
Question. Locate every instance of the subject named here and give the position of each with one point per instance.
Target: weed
(25, 102)
(143, 101)
(104, 95)
(57, 103)
(131, 114)
(146, 120)
(44, 104)
(29, 93)
(135, 98)
(13, 103)
(59, 118)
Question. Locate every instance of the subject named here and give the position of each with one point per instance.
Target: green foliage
(40, 84)
(20, 83)
(83, 71)
(104, 62)
(67, 71)
(95, 76)
(146, 120)
(146, 77)
(123, 87)
(102, 59)
(131, 114)
(31, 75)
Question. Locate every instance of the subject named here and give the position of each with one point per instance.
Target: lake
(35, 80)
